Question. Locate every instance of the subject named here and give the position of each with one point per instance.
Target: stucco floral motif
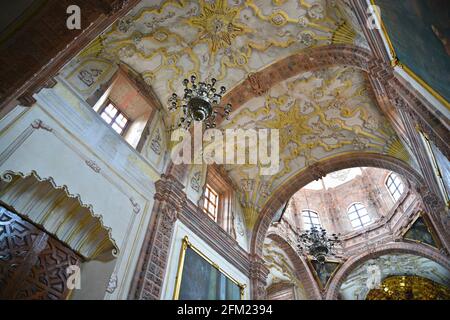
(176, 38)
(218, 25)
(318, 114)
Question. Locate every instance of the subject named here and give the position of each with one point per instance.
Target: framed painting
(199, 278)
(418, 35)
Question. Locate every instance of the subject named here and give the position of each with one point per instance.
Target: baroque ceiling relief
(319, 114)
(356, 286)
(220, 39)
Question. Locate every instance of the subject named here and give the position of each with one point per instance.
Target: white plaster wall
(121, 192)
(180, 231)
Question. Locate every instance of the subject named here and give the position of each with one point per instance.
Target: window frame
(397, 187)
(223, 186)
(207, 202)
(310, 222)
(119, 112)
(359, 216)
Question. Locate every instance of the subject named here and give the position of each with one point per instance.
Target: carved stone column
(258, 277)
(150, 271)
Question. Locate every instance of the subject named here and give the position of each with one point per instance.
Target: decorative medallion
(218, 24)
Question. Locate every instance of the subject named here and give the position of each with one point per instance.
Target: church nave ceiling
(224, 39)
(319, 115)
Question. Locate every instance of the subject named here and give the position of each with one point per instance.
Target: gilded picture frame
(184, 246)
(395, 61)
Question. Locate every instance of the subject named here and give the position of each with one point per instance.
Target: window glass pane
(365, 219)
(356, 223)
(121, 120)
(117, 128)
(362, 211)
(106, 118)
(110, 110)
(353, 215)
(395, 186)
(310, 219)
(396, 195)
(211, 202)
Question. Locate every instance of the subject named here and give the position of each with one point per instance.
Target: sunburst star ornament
(218, 24)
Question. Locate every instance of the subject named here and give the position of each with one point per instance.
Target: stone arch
(315, 172)
(305, 60)
(379, 73)
(303, 273)
(389, 248)
(387, 88)
(58, 212)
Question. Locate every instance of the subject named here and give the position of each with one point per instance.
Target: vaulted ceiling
(320, 114)
(227, 39)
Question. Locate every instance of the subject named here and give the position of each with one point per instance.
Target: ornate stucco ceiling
(166, 41)
(319, 115)
(355, 286)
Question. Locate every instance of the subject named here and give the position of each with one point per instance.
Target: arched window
(310, 219)
(358, 215)
(395, 186)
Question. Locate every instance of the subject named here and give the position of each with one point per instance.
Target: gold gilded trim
(184, 246)
(396, 62)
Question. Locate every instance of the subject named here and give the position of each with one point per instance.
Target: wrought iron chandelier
(200, 102)
(317, 243)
